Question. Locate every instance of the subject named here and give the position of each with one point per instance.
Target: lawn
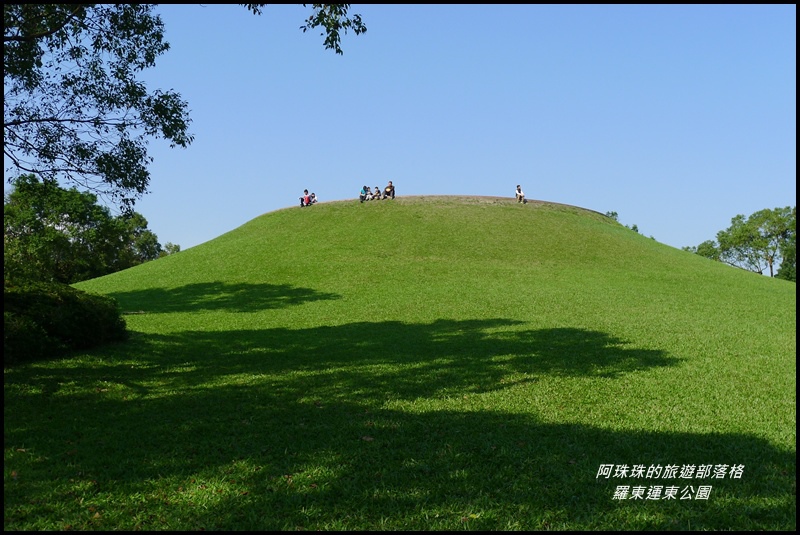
(423, 363)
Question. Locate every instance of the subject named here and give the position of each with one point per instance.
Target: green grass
(427, 363)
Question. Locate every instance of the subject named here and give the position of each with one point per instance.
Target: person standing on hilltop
(520, 195)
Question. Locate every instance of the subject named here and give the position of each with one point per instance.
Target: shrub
(24, 339)
(48, 319)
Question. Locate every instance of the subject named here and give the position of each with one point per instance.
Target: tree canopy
(74, 109)
(53, 234)
(759, 243)
(788, 268)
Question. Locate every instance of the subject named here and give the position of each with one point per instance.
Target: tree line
(765, 243)
(53, 234)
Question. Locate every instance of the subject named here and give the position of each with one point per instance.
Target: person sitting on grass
(388, 191)
(520, 195)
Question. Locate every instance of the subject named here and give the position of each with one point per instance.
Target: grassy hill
(426, 363)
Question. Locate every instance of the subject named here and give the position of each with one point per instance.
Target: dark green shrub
(48, 319)
(25, 340)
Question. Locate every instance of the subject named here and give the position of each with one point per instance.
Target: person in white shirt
(520, 194)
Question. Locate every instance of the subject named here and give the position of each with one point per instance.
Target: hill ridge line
(496, 199)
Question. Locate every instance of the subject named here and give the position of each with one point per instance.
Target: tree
(137, 243)
(788, 269)
(54, 234)
(333, 19)
(170, 248)
(73, 108)
(757, 243)
(707, 249)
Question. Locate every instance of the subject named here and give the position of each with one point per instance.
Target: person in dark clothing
(388, 191)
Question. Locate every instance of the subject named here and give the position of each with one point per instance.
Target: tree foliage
(759, 243)
(333, 19)
(170, 248)
(707, 249)
(73, 108)
(788, 269)
(54, 234)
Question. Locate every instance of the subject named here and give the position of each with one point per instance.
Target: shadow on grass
(241, 297)
(386, 360)
(296, 429)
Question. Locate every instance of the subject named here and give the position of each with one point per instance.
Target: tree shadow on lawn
(297, 433)
(396, 359)
(290, 465)
(235, 297)
(377, 361)
(451, 470)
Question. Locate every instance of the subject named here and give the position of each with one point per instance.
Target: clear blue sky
(676, 117)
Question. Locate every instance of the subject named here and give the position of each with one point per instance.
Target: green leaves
(74, 109)
(332, 18)
(54, 234)
(757, 243)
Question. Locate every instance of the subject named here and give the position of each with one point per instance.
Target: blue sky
(676, 117)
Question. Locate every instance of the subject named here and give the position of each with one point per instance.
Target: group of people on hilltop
(308, 200)
(368, 194)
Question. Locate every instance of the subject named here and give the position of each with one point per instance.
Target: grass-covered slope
(422, 363)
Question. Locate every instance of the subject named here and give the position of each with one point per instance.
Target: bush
(24, 339)
(43, 320)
